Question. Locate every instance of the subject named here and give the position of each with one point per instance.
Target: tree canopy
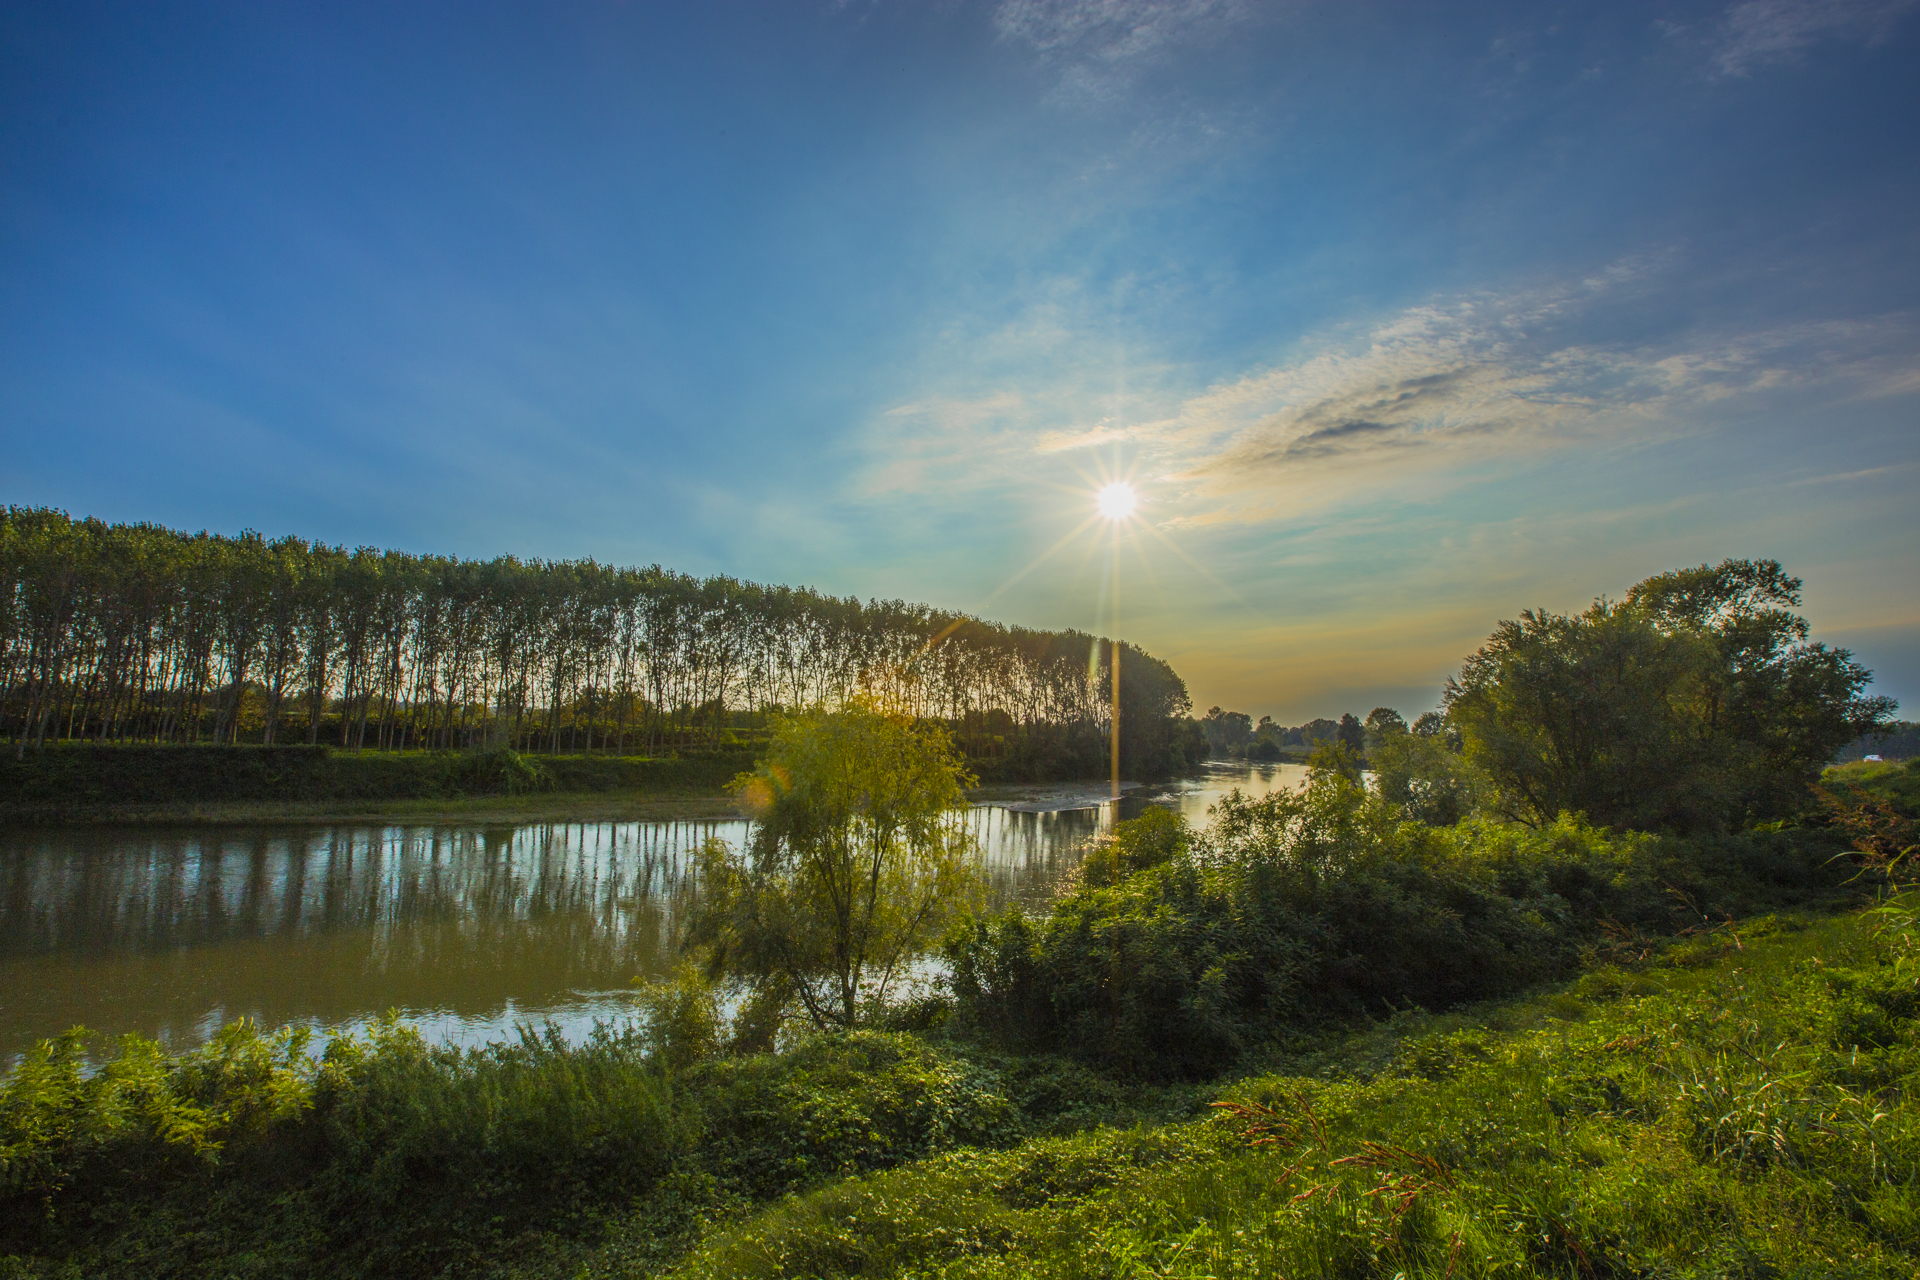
(1697, 702)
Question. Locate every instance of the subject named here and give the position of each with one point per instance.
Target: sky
(1400, 318)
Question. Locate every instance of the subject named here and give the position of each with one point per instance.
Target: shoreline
(520, 810)
(517, 810)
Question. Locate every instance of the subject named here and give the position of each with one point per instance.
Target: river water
(466, 930)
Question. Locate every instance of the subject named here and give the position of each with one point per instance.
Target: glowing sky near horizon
(1398, 318)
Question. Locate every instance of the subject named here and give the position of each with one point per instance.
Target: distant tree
(1314, 733)
(1351, 734)
(1430, 724)
(1382, 723)
(1899, 740)
(855, 865)
(1336, 759)
(1227, 731)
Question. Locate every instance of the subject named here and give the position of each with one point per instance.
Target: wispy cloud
(1099, 45)
(1423, 397)
(1754, 33)
(1462, 381)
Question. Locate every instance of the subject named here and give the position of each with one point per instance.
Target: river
(465, 930)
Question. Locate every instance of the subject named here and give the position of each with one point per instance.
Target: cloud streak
(1099, 45)
(1492, 377)
(1430, 393)
(1756, 33)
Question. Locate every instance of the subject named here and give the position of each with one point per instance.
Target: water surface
(466, 930)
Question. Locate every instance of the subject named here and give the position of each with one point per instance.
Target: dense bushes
(386, 1157)
(1303, 907)
(1748, 1105)
(70, 778)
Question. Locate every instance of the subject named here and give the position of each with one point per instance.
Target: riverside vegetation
(133, 633)
(1334, 1032)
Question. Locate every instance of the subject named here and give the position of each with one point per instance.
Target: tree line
(140, 633)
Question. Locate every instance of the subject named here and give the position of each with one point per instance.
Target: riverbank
(175, 784)
(171, 785)
(1658, 1115)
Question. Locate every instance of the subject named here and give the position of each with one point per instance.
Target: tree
(855, 864)
(1775, 705)
(1695, 703)
(1226, 731)
(1381, 723)
(1428, 781)
(1351, 734)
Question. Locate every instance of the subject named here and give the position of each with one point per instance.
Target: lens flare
(1117, 501)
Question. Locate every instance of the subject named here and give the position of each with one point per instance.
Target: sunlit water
(465, 930)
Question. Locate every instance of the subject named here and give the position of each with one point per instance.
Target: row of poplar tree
(135, 632)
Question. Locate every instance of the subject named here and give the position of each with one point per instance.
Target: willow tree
(856, 864)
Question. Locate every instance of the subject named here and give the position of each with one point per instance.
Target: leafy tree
(1694, 704)
(1429, 781)
(1776, 706)
(1227, 731)
(1382, 722)
(855, 865)
(1351, 734)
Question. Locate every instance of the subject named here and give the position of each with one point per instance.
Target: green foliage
(1666, 1122)
(1696, 704)
(1429, 782)
(856, 862)
(1314, 905)
(384, 1157)
(1149, 840)
(1898, 784)
(680, 1019)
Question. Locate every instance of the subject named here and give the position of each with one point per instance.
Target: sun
(1117, 501)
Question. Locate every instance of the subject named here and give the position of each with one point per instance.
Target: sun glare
(1117, 501)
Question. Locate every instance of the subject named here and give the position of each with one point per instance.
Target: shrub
(1319, 905)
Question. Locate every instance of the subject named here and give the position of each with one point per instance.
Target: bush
(1308, 907)
(1666, 1130)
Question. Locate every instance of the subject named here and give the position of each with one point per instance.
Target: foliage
(1661, 1120)
(1429, 782)
(1897, 784)
(856, 861)
(137, 633)
(1137, 844)
(384, 1157)
(1314, 905)
(1697, 703)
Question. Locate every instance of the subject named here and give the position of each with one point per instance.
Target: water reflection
(171, 932)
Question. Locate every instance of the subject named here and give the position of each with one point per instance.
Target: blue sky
(1400, 317)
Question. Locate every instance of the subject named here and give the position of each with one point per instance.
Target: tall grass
(1747, 1106)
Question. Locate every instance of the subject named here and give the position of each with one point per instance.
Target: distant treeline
(1898, 741)
(1234, 733)
(138, 633)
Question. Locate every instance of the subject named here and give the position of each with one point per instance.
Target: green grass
(1898, 781)
(1749, 1105)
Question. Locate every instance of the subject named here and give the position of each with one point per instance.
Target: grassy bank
(1743, 1102)
(173, 783)
(1746, 1104)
